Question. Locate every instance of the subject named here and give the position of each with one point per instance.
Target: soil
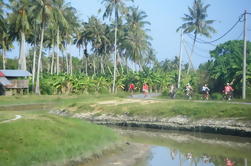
(129, 155)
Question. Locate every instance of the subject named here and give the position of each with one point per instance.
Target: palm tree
(69, 30)
(43, 11)
(3, 33)
(82, 38)
(196, 23)
(20, 24)
(60, 23)
(138, 45)
(116, 6)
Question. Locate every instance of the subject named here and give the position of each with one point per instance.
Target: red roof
(1, 74)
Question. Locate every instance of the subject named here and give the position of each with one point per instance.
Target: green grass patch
(42, 138)
(171, 108)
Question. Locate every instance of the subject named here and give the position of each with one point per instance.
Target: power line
(199, 40)
(196, 53)
(212, 41)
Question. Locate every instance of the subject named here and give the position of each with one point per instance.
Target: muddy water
(167, 148)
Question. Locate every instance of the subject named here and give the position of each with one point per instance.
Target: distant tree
(196, 23)
(20, 26)
(43, 12)
(118, 7)
(227, 64)
(137, 39)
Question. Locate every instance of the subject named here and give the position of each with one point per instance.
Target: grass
(6, 116)
(171, 108)
(40, 138)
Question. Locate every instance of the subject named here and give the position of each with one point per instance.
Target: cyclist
(188, 90)
(205, 92)
(228, 91)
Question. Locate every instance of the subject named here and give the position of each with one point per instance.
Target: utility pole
(244, 57)
(180, 58)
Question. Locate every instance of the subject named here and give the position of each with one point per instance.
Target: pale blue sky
(165, 17)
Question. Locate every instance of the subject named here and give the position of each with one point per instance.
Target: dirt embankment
(229, 126)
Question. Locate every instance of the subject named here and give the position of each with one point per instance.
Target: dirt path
(16, 118)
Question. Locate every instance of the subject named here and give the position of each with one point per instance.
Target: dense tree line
(111, 54)
(49, 27)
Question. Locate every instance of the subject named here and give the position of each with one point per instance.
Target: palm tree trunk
(86, 66)
(4, 59)
(70, 64)
(115, 51)
(34, 68)
(52, 60)
(120, 63)
(57, 51)
(102, 65)
(70, 59)
(109, 69)
(126, 64)
(94, 65)
(67, 63)
(190, 57)
(22, 58)
(37, 90)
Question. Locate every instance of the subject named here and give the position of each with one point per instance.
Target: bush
(216, 96)
(165, 92)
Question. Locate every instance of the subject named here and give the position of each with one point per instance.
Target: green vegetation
(171, 108)
(40, 138)
(56, 100)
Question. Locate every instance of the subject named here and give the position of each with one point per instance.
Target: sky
(165, 18)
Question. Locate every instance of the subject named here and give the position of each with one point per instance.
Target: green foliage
(227, 63)
(216, 96)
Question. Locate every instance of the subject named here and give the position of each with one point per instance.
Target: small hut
(14, 81)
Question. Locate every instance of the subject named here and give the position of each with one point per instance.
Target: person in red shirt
(131, 88)
(228, 91)
(145, 89)
(228, 162)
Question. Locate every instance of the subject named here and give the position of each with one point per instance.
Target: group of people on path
(145, 89)
(227, 92)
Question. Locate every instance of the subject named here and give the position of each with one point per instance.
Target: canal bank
(209, 117)
(227, 126)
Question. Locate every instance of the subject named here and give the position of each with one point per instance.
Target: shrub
(216, 96)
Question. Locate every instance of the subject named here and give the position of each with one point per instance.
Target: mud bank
(227, 126)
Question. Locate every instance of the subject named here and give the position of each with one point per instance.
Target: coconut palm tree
(137, 39)
(43, 12)
(68, 31)
(196, 23)
(20, 25)
(3, 33)
(60, 23)
(82, 38)
(118, 7)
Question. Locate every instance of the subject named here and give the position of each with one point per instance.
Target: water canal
(169, 148)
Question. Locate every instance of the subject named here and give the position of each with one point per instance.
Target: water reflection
(160, 157)
(192, 149)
